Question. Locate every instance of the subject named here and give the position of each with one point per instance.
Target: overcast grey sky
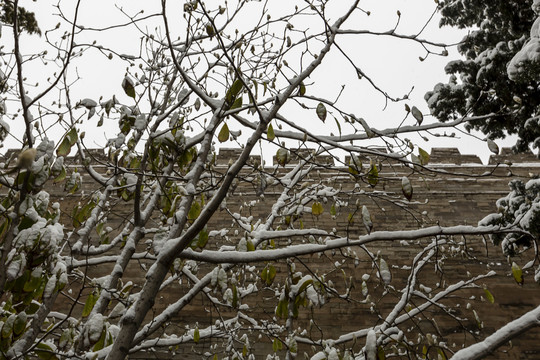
(393, 64)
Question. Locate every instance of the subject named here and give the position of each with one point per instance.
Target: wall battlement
(437, 156)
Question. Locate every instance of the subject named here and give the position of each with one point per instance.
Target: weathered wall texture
(453, 194)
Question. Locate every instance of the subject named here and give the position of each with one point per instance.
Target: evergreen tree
(25, 19)
(479, 84)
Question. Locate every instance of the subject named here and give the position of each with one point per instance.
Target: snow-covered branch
(234, 257)
(508, 332)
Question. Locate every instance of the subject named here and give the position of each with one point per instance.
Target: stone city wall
(454, 193)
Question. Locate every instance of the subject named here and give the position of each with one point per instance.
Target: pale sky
(392, 64)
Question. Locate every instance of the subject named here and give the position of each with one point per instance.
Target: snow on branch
(234, 257)
(508, 332)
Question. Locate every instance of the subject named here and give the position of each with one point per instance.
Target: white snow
(319, 356)
(371, 345)
(49, 288)
(385, 272)
(296, 287)
(16, 266)
(93, 329)
(529, 55)
(500, 337)
(140, 122)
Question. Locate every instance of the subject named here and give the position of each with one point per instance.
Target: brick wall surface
(454, 193)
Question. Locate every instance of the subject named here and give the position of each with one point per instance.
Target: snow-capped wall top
(225, 155)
